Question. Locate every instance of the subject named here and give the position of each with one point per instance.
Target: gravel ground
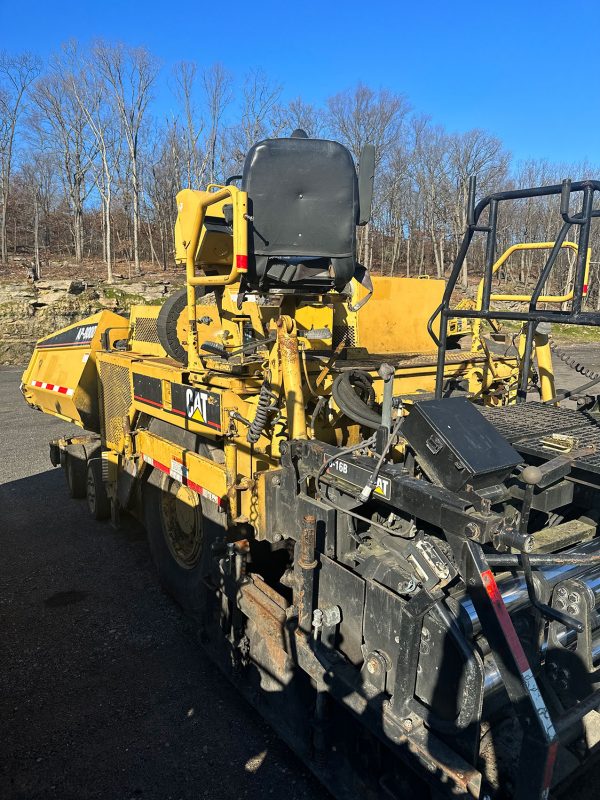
(105, 693)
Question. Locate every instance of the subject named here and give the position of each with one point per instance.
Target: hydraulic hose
(345, 394)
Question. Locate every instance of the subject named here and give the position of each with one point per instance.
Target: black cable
(341, 453)
(370, 484)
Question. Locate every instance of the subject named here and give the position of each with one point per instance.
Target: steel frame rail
(573, 316)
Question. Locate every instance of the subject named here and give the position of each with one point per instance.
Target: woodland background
(90, 165)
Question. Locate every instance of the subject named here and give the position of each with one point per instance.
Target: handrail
(239, 262)
(574, 316)
(525, 298)
(240, 238)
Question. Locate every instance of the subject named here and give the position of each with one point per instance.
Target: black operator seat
(303, 198)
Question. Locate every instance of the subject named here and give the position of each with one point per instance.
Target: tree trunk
(108, 240)
(3, 244)
(36, 239)
(136, 216)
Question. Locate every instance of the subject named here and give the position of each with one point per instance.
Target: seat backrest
(303, 200)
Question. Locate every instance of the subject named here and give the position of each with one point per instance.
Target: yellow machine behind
(255, 422)
(109, 387)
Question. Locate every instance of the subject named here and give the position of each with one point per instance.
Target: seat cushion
(303, 199)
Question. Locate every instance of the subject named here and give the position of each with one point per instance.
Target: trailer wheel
(97, 498)
(76, 473)
(181, 527)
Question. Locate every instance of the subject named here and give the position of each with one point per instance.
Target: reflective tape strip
(504, 619)
(529, 680)
(538, 702)
(549, 770)
(179, 473)
(53, 387)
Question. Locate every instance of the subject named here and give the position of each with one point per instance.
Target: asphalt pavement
(104, 690)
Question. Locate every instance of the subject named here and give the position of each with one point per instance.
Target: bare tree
(17, 73)
(162, 185)
(362, 116)
(261, 115)
(185, 79)
(104, 126)
(129, 74)
(60, 119)
(475, 152)
(305, 116)
(217, 83)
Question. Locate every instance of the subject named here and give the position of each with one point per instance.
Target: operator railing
(572, 316)
(239, 261)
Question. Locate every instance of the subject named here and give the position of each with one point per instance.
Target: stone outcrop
(29, 311)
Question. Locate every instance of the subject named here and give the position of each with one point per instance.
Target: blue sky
(517, 69)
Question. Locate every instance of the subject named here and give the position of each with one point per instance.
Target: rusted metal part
(257, 601)
(333, 358)
(267, 627)
(308, 537)
(305, 567)
(292, 377)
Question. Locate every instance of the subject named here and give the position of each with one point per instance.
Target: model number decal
(86, 334)
(339, 466)
(355, 474)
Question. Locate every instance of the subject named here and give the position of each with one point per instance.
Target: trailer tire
(97, 498)
(76, 473)
(180, 538)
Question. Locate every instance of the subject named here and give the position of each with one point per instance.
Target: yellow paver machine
(391, 553)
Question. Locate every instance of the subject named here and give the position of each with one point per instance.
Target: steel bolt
(472, 530)
(407, 586)
(407, 724)
(373, 666)
(331, 616)
(276, 480)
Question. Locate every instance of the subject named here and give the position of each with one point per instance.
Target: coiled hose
(347, 390)
(264, 407)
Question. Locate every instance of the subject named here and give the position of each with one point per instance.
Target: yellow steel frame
(523, 298)
(239, 264)
(184, 465)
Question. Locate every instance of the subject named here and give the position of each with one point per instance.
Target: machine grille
(526, 425)
(145, 330)
(116, 401)
(530, 419)
(345, 334)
